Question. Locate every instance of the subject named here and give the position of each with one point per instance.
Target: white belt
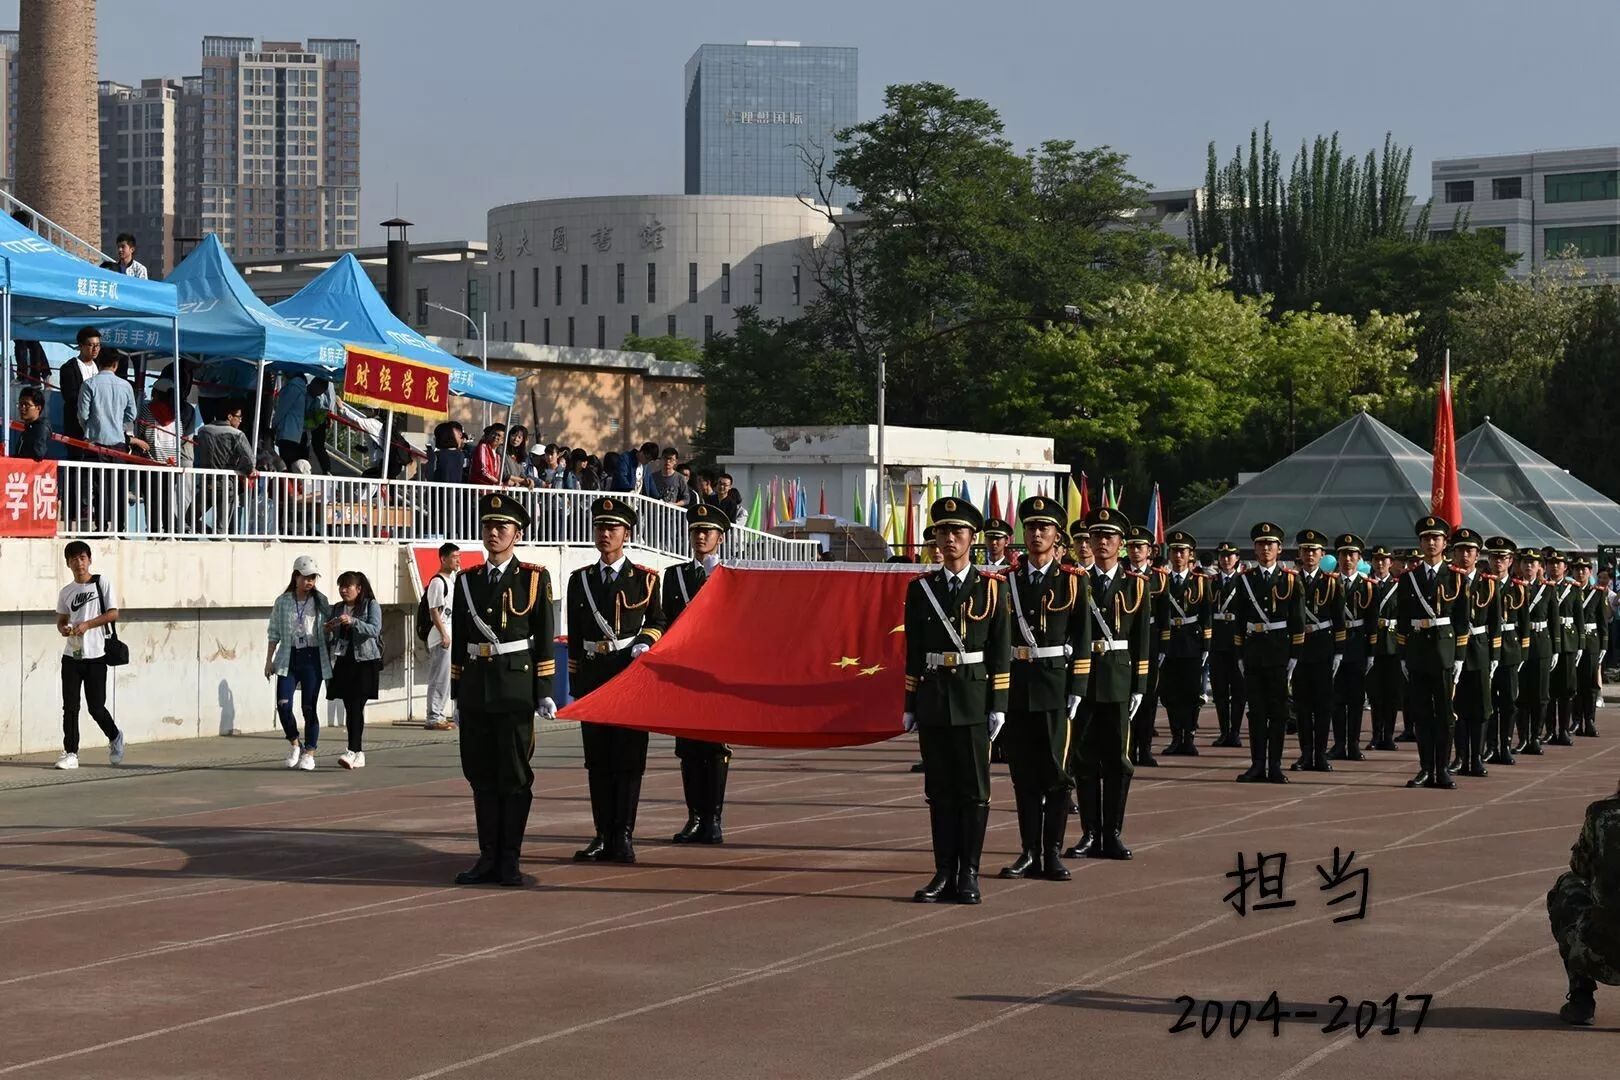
(1314, 627)
(1110, 646)
(485, 650)
(1225, 616)
(1478, 631)
(1430, 624)
(1567, 620)
(1390, 624)
(1352, 624)
(1263, 627)
(1038, 652)
(1538, 626)
(953, 659)
(608, 647)
(1179, 620)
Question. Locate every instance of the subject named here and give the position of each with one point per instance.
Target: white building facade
(586, 272)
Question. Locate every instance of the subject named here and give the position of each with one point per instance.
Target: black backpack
(424, 621)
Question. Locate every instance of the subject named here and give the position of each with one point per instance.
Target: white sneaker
(68, 761)
(115, 752)
(292, 756)
(352, 759)
(307, 762)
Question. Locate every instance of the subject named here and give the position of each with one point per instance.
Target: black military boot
(514, 820)
(601, 813)
(1116, 790)
(1580, 1006)
(487, 814)
(1088, 793)
(1476, 756)
(974, 817)
(1337, 751)
(626, 798)
(1256, 772)
(1054, 820)
(1029, 833)
(1441, 757)
(1588, 725)
(1530, 729)
(1562, 714)
(714, 794)
(692, 784)
(1460, 750)
(942, 886)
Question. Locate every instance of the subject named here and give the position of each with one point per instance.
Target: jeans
(303, 672)
(91, 675)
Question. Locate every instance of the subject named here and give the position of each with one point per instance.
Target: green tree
(1583, 395)
(668, 348)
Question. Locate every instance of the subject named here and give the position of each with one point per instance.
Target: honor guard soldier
(1081, 551)
(997, 537)
(704, 765)
(1386, 686)
(501, 629)
(1538, 629)
(1571, 635)
(1434, 623)
(1226, 646)
(1144, 723)
(1121, 641)
(1051, 664)
(1505, 683)
(1321, 655)
(1473, 699)
(1272, 610)
(1410, 559)
(614, 615)
(1183, 619)
(1594, 643)
(958, 660)
(1358, 609)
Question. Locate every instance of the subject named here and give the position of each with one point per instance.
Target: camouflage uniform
(1584, 904)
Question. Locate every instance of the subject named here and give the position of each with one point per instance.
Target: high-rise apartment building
(9, 44)
(140, 167)
(278, 143)
(750, 108)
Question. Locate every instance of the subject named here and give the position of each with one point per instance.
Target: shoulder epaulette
(645, 569)
(1161, 571)
(1071, 569)
(1290, 571)
(1134, 573)
(1487, 575)
(530, 566)
(994, 575)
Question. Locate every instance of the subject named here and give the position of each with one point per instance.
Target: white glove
(1204, 662)
(547, 709)
(1520, 667)
(1404, 673)
(1578, 654)
(908, 722)
(1456, 672)
(1160, 660)
(1240, 669)
(1136, 703)
(1369, 665)
(1337, 660)
(1554, 665)
(1074, 706)
(997, 720)
(638, 648)
(1494, 665)
(1292, 664)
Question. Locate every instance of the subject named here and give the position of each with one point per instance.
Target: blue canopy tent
(39, 281)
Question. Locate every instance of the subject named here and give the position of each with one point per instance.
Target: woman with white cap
(298, 657)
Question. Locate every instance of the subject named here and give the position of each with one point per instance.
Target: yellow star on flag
(846, 661)
(873, 670)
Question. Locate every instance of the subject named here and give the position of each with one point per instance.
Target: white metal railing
(101, 499)
(54, 233)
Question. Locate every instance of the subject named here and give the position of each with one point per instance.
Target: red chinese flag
(1445, 501)
(831, 675)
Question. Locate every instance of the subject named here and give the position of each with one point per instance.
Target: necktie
(607, 575)
(952, 586)
(494, 574)
(1035, 575)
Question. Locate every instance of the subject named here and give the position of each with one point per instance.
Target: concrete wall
(194, 613)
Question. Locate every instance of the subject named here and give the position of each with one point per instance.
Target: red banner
(385, 381)
(781, 657)
(28, 502)
(1445, 501)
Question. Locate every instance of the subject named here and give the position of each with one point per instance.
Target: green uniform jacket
(1324, 617)
(1057, 614)
(1593, 618)
(1431, 650)
(1158, 580)
(1485, 629)
(1358, 618)
(681, 585)
(1121, 605)
(1538, 621)
(1273, 616)
(1383, 634)
(518, 608)
(1567, 601)
(1225, 608)
(1515, 632)
(960, 694)
(631, 608)
(1183, 633)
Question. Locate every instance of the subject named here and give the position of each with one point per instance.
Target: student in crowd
(221, 444)
(354, 634)
(287, 423)
(728, 498)
(449, 456)
(298, 658)
(486, 465)
(589, 473)
(84, 608)
(156, 426)
(555, 473)
(516, 468)
(75, 372)
(34, 440)
(667, 484)
(440, 601)
(641, 466)
(128, 265)
(106, 408)
(318, 408)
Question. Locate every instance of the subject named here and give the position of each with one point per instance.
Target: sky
(476, 103)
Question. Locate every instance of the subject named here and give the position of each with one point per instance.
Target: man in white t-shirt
(440, 598)
(84, 609)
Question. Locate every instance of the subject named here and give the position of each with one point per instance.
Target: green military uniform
(1225, 652)
(1182, 616)
(1515, 643)
(1122, 639)
(1409, 557)
(1539, 632)
(1145, 721)
(1584, 909)
(1472, 701)
(704, 765)
(996, 529)
(1356, 599)
(614, 615)
(1320, 656)
(502, 628)
(1051, 664)
(1386, 686)
(958, 660)
(1434, 615)
(1594, 643)
(1571, 636)
(1272, 615)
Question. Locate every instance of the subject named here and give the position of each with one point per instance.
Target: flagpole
(883, 378)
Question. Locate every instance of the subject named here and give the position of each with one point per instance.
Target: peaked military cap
(1581, 563)
(609, 510)
(1409, 554)
(1380, 551)
(1307, 538)
(1552, 554)
(1500, 545)
(1348, 542)
(1266, 530)
(1136, 534)
(997, 527)
(1226, 547)
(1079, 530)
(1037, 510)
(497, 507)
(1107, 519)
(952, 512)
(704, 516)
(1180, 539)
(1529, 554)
(1465, 537)
(1429, 525)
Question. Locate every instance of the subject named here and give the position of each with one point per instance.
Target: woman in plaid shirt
(298, 657)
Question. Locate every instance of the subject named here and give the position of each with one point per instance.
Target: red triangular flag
(994, 510)
(823, 510)
(1445, 501)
